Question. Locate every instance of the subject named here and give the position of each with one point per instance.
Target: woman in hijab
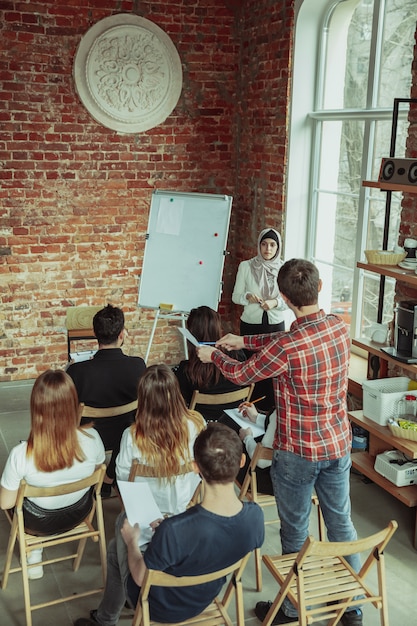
(256, 288)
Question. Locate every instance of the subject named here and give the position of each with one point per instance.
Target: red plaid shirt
(309, 368)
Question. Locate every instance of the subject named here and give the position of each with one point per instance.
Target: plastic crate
(380, 397)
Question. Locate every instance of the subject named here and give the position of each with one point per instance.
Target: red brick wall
(75, 196)
(266, 41)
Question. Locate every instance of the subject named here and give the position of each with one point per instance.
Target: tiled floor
(372, 508)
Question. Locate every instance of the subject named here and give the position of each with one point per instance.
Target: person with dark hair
(162, 437)
(58, 451)
(205, 538)
(109, 379)
(257, 290)
(312, 443)
(205, 325)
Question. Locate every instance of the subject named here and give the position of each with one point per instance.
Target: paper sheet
(77, 357)
(186, 333)
(140, 507)
(244, 423)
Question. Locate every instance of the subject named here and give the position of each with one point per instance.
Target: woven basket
(403, 433)
(384, 257)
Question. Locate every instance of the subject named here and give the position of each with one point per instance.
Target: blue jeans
(114, 597)
(294, 479)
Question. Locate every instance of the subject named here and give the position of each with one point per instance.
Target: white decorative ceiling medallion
(128, 73)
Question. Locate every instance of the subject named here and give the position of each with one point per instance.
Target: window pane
(397, 50)
(337, 210)
(370, 302)
(348, 53)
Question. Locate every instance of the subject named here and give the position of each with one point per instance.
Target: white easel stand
(180, 315)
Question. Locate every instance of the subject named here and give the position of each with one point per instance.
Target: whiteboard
(184, 251)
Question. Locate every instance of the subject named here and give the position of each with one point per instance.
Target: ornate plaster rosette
(127, 73)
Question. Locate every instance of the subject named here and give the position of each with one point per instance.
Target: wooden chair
(215, 614)
(79, 324)
(79, 533)
(320, 582)
(249, 491)
(244, 394)
(111, 411)
(145, 471)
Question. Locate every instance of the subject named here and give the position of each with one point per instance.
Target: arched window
(351, 59)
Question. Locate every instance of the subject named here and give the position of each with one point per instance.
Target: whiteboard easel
(164, 314)
(184, 254)
(185, 249)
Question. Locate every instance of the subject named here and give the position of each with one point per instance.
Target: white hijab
(266, 272)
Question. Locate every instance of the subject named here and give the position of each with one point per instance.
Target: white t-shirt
(172, 496)
(19, 466)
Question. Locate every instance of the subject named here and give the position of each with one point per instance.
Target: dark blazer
(110, 378)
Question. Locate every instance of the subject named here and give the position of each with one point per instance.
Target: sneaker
(352, 618)
(85, 621)
(35, 556)
(262, 608)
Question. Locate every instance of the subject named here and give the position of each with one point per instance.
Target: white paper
(169, 216)
(244, 423)
(186, 333)
(140, 507)
(86, 355)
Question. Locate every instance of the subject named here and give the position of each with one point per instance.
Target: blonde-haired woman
(57, 451)
(162, 437)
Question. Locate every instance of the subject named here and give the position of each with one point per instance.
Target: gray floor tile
(372, 508)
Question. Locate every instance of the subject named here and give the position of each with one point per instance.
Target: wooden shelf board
(375, 184)
(364, 463)
(375, 348)
(383, 432)
(393, 271)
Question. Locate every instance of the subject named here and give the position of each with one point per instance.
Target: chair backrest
(161, 579)
(242, 394)
(110, 411)
(31, 491)
(249, 488)
(146, 471)
(373, 544)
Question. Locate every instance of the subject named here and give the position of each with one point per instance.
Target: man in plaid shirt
(309, 368)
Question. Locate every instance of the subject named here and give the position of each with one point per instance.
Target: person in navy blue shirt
(205, 538)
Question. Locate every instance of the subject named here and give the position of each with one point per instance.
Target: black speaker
(398, 171)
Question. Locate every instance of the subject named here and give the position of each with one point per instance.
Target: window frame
(306, 122)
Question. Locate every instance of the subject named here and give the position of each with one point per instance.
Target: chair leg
(258, 568)
(9, 554)
(80, 551)
(26, 590)
(382, 583)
